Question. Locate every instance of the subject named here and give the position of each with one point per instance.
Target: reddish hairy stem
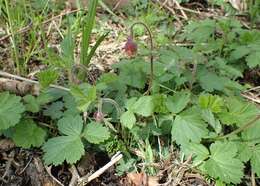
(151, 48)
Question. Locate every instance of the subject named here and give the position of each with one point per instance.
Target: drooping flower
(130, 47)
(98, 116)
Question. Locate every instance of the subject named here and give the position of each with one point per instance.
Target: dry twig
(86, 179)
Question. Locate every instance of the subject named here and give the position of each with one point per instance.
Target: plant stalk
(151, 48)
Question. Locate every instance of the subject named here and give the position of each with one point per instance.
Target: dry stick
(86, 179)
(251, 98)
(170, 9)
(251, 89)
(8, 75)
(253, 182)
(28, 163)
(181, 9)
(151, 48)
(48, 169)
(75, 176)
(8, 165)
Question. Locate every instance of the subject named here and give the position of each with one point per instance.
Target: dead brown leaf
(141, 179)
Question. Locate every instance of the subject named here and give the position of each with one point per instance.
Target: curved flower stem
(151, 48)
(240, 129)
(111, 101)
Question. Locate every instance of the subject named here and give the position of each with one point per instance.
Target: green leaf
(71, 125)
(27, 134)
(11, 109)
(159, 102)
(70, 105)
(87, 29)
(59, 149)
(32, 104)
(84, 94)
(223, 164)
(211, 102)
(54, 110)
(128, 119)
(131, 73)
(96, 133)
(238, 112)
(130, 103)
(249, 148)
(94, 48)
(144, 106)
(47, 77)
(178, 101)
(200, 31)
(208, 116)
(44, 98)
(255, 159)
(210, 81)
(253, 60)
(106, 80)
(198, 151)
(67, 50)
(188, 126)
(240, 52)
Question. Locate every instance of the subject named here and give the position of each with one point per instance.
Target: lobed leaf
(27, 134)
(63, 148)
(11, 110)
(96, 133)
(128, 119)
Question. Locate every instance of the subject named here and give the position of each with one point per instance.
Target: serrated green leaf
(211, 102)
(128, 119)
(208, 116)
(70, 105)
(198, 151)
(238, 112)
(71, 125)
(240, 52)
(200, 31)
(63, 148)
(32, 104)
(249, 148)
(178, 101)
(131, 73)
(96, 133)
(47, 77)
(54, 110)
(159, 101)
(130, 103)
(210, 81)
(44, 98)
(222, 163)
(27, 134)
(67, 50)
(144, 106)
(252, 135)
(11, 109)
(188, 126)
(255, 159)
(105, 80)
(84, 94)
(253, 60)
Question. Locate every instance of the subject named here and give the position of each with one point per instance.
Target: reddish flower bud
(99, 116)
(130, 47)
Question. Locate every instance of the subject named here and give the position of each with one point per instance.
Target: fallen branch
(86, 179)
(48, 169)
(11, 76)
